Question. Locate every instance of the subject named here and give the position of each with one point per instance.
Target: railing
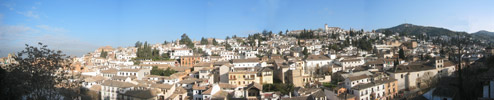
(249, 78)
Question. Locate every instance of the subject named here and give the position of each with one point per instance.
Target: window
(401, 75)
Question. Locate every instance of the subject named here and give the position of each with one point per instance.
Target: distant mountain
(411, 29)
(484, 35)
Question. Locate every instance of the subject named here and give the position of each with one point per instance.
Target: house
(314, 61)
(179, 94)
(147, 94)
(253, 91)
(417, 74)
(223, 73)
(308, 94)
(218, 92)
(371, 91)
(334, 68)
(110, 89)
(246, 63)
(381, 64)
(299, 78)
(349, 63)
(164, 90)
(189, 61)
(90, 81)
(338, 93)
(165, 62)
(265, 75)
(138, 73)
(197, 92)
(177, 53)
(391, 89)
(355, 78)
(109, 72)
(242, 78)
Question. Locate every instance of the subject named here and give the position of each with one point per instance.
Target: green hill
(484, 35)
(410, 29)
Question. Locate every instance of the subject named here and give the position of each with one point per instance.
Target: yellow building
(265, 76)
(262, 76)
(242, 78)
(391, 89)
(298, 78)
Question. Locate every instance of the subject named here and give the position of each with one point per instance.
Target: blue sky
(78, 27)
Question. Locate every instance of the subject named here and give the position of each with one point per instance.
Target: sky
(78, 27)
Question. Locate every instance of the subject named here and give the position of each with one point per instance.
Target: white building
(176, 53)
(170, 62)
(415, 74)
(317, 61)
(138, 73)
(110, 89)
(246, 63)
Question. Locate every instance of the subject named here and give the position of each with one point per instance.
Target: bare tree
(428, 79)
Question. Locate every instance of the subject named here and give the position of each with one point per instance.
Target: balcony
(249, 78)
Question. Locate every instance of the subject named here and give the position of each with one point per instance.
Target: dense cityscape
(328, 63)
(246, 50)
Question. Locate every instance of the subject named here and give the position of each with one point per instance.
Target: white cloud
(52, 29)
(9, 5)
(29, 14)
(10, 35)
(67, 44)
(476, 24)
(13, 38)
(9, 32)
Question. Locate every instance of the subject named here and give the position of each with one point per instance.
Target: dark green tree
(168, 72)
(165, 42)
(204, 41)
(305, 51)
(186, 41)
(401, 54)
(286, 32)
(103, 54)
(228, 46)
(138, 44)
(388, 32)
(215, 42)
(442, 52)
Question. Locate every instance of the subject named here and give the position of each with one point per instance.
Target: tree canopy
(285, 89)
(186, 41)
(204, 41)
(103, 54)
(147, 52)
(39, 73)
(161, 72)
(215, 42)
(401, 54)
